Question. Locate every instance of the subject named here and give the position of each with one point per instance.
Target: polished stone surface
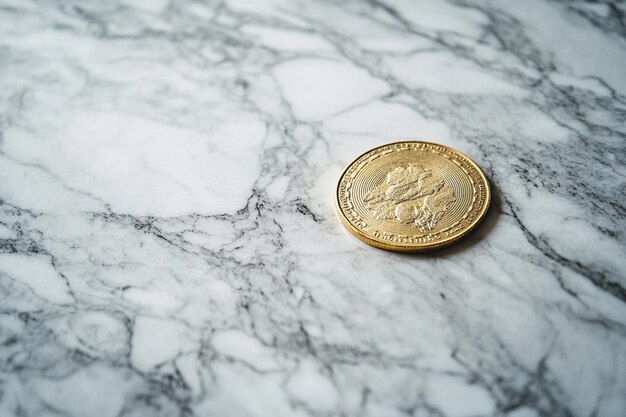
(168, 242)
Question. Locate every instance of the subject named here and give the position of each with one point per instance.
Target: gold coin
(412, 196)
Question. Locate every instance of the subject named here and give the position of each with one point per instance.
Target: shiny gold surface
(412, 196)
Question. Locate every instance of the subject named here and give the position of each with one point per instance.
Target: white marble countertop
(168, 242)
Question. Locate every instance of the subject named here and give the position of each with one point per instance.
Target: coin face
(412, 196)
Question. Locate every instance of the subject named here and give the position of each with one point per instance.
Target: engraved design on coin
(411, 195)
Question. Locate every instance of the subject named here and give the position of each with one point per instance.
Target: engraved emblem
(411, 195)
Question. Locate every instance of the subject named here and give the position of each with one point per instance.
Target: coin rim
(423, 246)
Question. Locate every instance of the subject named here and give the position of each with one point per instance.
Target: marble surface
(168, 243)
